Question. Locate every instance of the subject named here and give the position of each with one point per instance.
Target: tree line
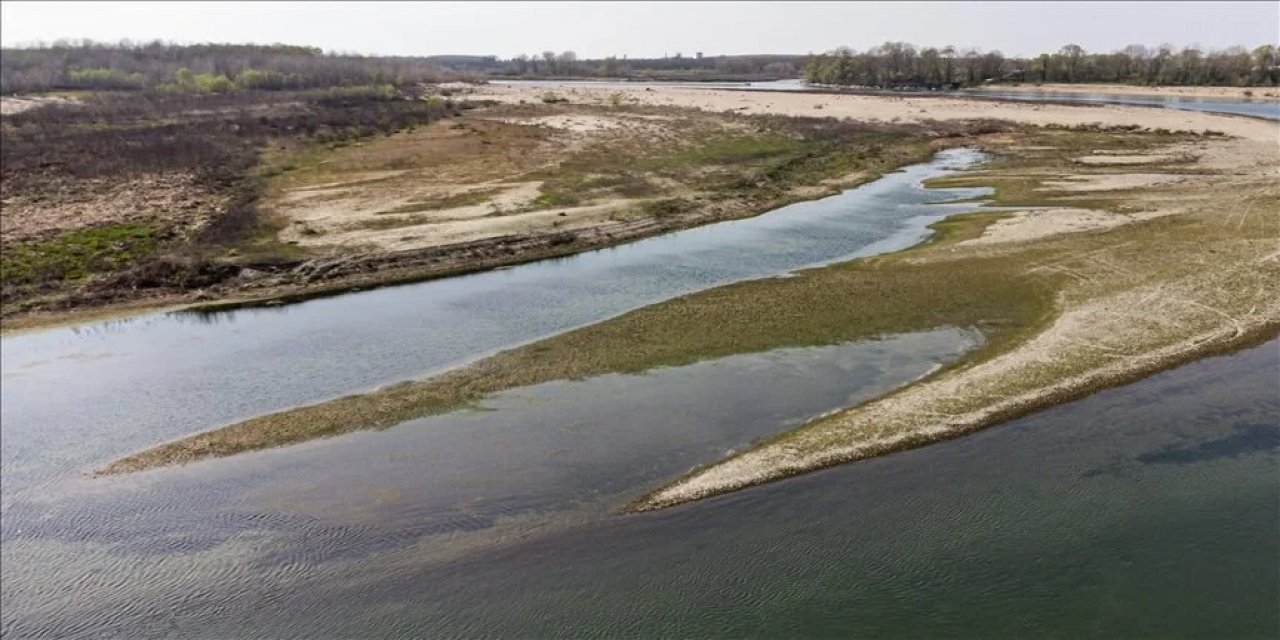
(221, 68)
(208, 68)
(902, 65)
(678, 66)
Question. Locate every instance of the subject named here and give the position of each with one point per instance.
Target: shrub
(104, 79)
(267, 80)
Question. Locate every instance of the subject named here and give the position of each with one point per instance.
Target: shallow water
(1146, 511)
(527, 462)
(81, 396)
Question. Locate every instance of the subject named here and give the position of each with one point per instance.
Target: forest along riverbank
(1117, 265)
(195, 371)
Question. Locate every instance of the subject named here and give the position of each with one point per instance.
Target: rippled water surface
(1145, 511)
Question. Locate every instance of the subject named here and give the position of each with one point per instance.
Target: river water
(143, 380)
(1147, 510)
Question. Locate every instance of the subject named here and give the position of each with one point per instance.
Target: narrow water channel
(77, 397)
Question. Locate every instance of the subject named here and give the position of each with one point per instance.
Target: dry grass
(458, 181)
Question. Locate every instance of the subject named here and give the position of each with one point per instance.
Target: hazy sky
(646, 29)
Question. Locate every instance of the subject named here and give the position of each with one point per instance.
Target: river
(1139, 511)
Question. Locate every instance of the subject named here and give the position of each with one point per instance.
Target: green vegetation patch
(756, 158)
(75, 254)
(965, 226)
(556, 197)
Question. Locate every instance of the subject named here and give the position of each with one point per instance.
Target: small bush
(553, 199)
(105, 79)
(667, 207)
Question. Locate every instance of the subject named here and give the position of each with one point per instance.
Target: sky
(649, 29)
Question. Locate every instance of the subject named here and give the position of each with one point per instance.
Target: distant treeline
(202, 68)
(221, 68)
(901, 65)
(677, 67)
